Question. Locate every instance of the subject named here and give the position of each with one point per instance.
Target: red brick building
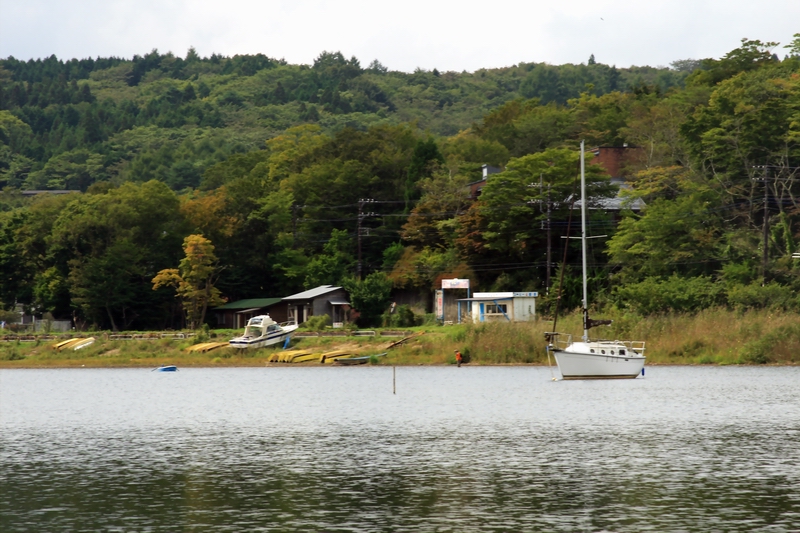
(476, 186)
(617, 160)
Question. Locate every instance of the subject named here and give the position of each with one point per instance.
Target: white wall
(518, 309)
(524, 309)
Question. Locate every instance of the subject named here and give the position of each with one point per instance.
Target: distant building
(476, 187)
(617, 160)
(500, 306)
(619, 202)
(234, 315)
(24, 318)
(322, 300)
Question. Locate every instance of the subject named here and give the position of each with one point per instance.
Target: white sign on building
(455, 283)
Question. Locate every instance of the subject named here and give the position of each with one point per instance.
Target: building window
(496, 309)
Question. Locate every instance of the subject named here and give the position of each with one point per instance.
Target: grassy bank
(711, 337)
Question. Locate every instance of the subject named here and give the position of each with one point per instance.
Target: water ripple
(468, 450)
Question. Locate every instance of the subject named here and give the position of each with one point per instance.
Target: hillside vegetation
(284, 168)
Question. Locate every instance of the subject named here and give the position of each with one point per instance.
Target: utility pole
(295, 208)
(362, 231)
(765, 229)
(549, 240)
(545, 225)
(358, 236)
(765, 223)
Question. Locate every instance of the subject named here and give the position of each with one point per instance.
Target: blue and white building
(499, 307)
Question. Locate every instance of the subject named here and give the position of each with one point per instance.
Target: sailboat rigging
(593, 359)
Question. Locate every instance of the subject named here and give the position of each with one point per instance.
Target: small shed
(234, 315)
(322, 300)
(500, 306)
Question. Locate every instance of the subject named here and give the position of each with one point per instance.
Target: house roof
(313, 293)
(619, 202)
(251, 310)
(251, 303)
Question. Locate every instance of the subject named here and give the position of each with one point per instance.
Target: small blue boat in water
(166, 368)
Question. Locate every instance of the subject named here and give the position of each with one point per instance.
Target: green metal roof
(250, 303)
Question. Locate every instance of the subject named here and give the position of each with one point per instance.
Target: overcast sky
(463, 35)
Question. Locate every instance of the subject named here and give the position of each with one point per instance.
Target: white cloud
(457, 36)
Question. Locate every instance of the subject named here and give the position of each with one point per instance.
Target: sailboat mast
(583, 244)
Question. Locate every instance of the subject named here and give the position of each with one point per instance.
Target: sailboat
(593, 359)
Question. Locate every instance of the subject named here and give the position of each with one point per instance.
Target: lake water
(455, 450)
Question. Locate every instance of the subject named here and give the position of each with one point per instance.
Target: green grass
(715, 336)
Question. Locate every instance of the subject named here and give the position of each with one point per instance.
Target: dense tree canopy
(296, 174)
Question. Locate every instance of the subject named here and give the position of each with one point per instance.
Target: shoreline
(81, 364)
(716, 337)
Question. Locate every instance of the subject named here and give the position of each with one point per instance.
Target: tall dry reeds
(487, 343)
(713, 336)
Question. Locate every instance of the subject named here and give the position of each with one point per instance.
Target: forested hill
(169, 118)
(286, 168)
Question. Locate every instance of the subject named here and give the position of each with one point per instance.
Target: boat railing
(562, 340)
(633, 346)
(558, 340)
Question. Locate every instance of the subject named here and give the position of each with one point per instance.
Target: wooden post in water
(394, 380)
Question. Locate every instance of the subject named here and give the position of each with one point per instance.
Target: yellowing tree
(194, 279)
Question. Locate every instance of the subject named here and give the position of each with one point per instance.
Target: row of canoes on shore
(74, 344)
(340, 357)
(296, 356)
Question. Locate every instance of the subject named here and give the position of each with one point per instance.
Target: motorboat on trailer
(594, 359)
(262, 331)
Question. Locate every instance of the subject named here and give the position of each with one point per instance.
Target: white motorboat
(594, 359)
(262, 331)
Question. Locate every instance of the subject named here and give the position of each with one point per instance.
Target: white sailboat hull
(581, 365)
